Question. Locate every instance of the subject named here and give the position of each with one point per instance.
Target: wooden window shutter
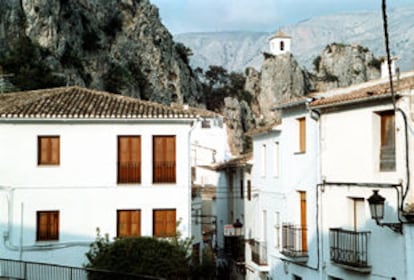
(48, 150)
(303, 221)
(129, 159)
(164, 157)
(47, 225)
(164, 222)
(129, 223)
(387, 152)
(249, 190)
(302, 135)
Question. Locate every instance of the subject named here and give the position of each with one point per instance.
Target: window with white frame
(387, 141)
(277, 229)
(263, 161)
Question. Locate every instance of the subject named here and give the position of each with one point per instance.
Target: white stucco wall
(84, 186)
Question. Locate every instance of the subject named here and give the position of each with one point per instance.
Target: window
(164, 159)
(47, 225)
(241, 189)
(164, 222)
(48, 150)
(249, 190)
(302, 134)
(282, 45)
(387, 152)
(277, 229)
(303, 221)
(263, 155)
(276, 160)
(128, 223)
(129, 159)
(357, 218)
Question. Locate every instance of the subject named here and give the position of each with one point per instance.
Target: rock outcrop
(238, 119)
(281, 78)
(115, 45)
(342, 65)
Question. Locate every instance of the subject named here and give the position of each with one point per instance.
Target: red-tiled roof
(79, 103)
(372, 91)
(279, 34)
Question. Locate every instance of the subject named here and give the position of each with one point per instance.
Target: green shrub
(145, 256)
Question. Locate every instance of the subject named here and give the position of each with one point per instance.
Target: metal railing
(259, 252)
(349, 247)
(21, 270)
(164, 172)
(129, 172)
(294, 241)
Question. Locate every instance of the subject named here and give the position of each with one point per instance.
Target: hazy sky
(181, 16)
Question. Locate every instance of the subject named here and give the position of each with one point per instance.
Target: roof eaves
(350, 101)
(292, 104)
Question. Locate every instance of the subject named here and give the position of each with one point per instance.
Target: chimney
(384, 67)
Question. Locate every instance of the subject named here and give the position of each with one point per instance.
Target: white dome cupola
(279, 43)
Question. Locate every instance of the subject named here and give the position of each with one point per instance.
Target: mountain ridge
(309, 37)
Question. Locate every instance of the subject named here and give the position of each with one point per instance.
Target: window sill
(300, 153)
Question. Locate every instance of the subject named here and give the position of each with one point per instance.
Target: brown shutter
(164, 223)
(302, 135)
(129, 223)
(129, 159)
(49, 150)
(387, 152)
(54, 225)
(303, 222)
(164, 166)
(47, 225)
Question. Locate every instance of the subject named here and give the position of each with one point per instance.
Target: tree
(25, 60)
(219, 84)
(137, 256)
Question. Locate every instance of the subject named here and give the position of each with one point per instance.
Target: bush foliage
(145, 256)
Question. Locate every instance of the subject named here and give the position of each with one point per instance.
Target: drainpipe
(190, 198)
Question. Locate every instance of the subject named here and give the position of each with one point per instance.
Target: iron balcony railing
(164, 172)
(20, 270)
(259, 252)
(349, 247)
(129, 172)
(294, 240)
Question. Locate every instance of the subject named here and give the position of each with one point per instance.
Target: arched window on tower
(282, 45)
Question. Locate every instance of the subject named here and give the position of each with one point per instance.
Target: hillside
(237, 50)
(118, 46)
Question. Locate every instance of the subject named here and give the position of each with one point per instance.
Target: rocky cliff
(342, 65)
(116, 45)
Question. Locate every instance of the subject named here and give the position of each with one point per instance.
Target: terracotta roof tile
(371, 91)
(76, 102)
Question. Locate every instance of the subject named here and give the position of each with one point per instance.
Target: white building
(73, 160)
(311, 213)
(280, 43)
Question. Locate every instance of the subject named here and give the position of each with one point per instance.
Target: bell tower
(279, 43)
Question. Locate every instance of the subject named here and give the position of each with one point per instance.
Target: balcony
(129, 172)
(294, 242)
(259, 252)
(349, 249)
